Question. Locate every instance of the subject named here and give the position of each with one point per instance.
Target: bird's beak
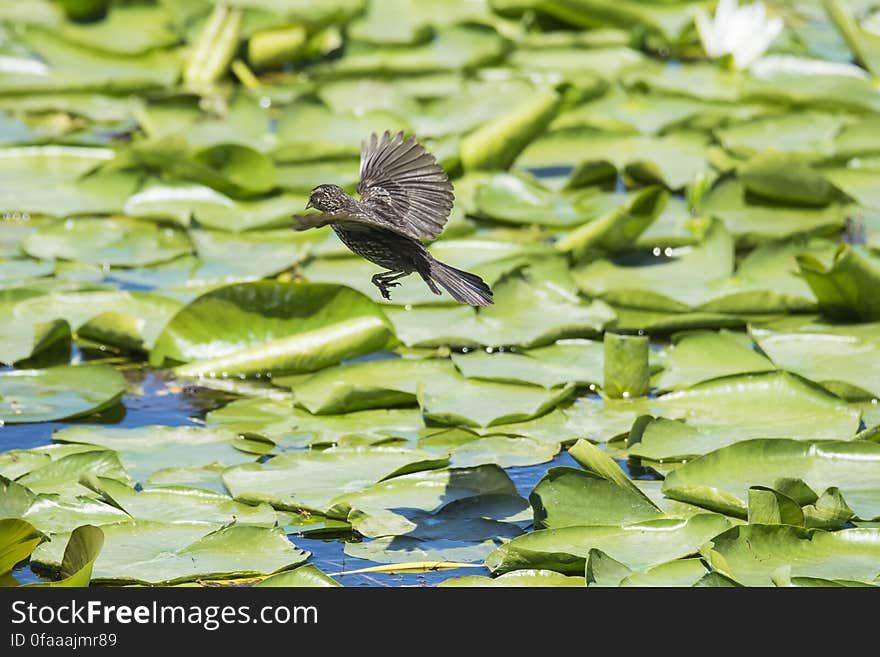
(309, 204)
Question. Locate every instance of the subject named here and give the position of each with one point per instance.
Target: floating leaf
(311, 480)
(845, 287)
(303, 576)
(18, 538)
(56, 393)
(754, 554)
(720, 480)
(720, 412)
(517, 578)
(638, 546)
(703, 355)
(83, 547)
(149, 450)
(172, 553)
(253, 328)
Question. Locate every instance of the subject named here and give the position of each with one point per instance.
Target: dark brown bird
(405, 197)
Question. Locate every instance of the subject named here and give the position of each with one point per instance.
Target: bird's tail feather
(463, 286)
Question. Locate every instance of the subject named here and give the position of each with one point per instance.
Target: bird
(405, 197)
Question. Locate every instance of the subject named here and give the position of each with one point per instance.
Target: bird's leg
(387, 279)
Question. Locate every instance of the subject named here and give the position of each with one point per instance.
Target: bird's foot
(383, 283)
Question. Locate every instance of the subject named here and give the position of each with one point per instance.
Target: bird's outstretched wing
(402, 187)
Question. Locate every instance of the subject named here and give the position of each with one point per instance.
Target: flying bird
(405, 197)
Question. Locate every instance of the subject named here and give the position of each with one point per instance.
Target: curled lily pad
(274, 327)
(59, 392)
(755, 554)
(18, 538)
(844, 288)
(82, 550)
(638, 545)
(64, 476)
(52, 513)
(306, 575)
(720, 480)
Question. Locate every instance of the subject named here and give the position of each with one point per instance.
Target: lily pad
(703, 355)
(146, 552)
(305, 576)
(183, 504)
(721, 480)
(844, 288)
(253, 328)
(278, 421)
(843, 358)
(754, 554)
(55, 393)
(768, 405)
(18, 538)
(517, 578)
(638, 546)
(64, 476)
(311, 480)
(149, 450)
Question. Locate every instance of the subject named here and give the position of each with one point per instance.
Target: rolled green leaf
(618, 229)
(272, 48)
(770, 507)
(82, 551)
(627, 373)
(214, 48)
(496, 144)
(848, 287)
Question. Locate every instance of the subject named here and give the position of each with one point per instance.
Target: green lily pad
(721, 480)
(18, 538)
(64, 476)
(638, 546)
(845, 287)
(517, 578)
(253, 328)
(528, 311)
(277, 420)
(305, 576)
(183, 504)
(311, 480)
(703, 355)
(752, 222)
(456, 400)
(52, 513)
(677, 573)
(370, 384)
(626, 372)
(149, 450)
(754, 554)
(404, 549)
(808, 134)
(116, 241)
(842, 358)
(212, 209)
(80, 554)
(55, 393)
(723, 411)
(575, 361)
(146, 552)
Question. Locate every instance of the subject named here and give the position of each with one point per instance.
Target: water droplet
(265, 102)
(68, 225)
(259, 375)
(212, 374)
(268, 375)
(593, 387)
(656, 250)
(626, 395)
(641, 332)
(489, 350)
(464, 350)
(668, 252)
(875, 401)
(408, 306)
(105, 267)
(25, 216)
(225, 375)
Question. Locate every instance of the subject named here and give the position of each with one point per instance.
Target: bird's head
(327, 198)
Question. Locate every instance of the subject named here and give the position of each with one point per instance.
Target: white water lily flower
(743, 32)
